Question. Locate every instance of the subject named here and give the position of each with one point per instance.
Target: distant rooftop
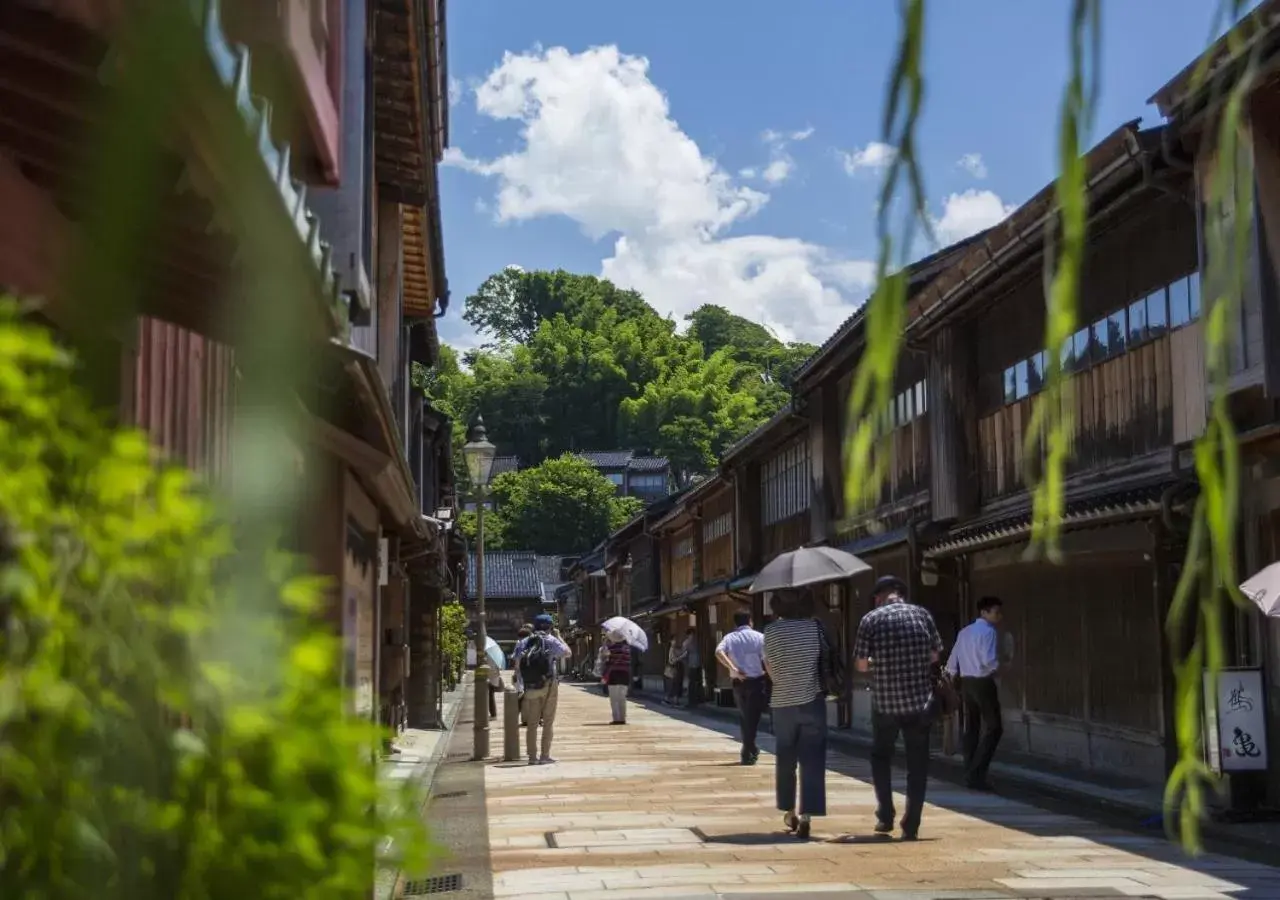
(513, 574)
(624, 459)
(504, 464)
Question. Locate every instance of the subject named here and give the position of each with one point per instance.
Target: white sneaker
(533, 760)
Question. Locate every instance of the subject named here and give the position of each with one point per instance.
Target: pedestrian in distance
(692, 654)
(898, 644)
(674, 673)
(976, 660)
(617, 676)
(742, 653)
(535, 666)
(793, 644)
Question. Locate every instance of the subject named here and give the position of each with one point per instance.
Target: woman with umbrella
(621, 635)
(799, 659)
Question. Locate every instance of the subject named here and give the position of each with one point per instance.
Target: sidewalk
(660, 808)
(1135, 805)
(420, 754)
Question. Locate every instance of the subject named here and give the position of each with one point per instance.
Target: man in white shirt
(742, 653)
(976, 659)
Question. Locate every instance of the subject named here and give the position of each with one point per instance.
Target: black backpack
(535, 664)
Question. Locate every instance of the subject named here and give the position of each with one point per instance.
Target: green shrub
(160, 736)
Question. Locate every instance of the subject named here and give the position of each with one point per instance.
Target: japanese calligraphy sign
(1237, 721)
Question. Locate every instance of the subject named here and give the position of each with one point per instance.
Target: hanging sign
(1236, 722)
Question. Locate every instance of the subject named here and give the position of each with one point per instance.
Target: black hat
(889, 583)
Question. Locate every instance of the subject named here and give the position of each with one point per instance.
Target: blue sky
(729, 153)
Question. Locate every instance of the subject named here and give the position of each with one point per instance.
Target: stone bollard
(510, 726)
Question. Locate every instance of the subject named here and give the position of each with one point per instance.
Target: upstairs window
(1166, 308)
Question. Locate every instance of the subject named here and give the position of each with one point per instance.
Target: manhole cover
(439, 884)
(625, 839)
(449, 795)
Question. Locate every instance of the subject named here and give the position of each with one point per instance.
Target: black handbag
(833, 674)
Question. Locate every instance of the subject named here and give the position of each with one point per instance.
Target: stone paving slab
(659, 808)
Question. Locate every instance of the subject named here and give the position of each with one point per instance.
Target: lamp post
(479, 454)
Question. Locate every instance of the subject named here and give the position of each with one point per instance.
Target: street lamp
(479, 454)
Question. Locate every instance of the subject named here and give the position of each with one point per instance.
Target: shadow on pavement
(1032, 814)
(457, 816)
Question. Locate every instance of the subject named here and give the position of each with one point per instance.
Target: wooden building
(1089, 684)
(343, 120)
(1254, 364)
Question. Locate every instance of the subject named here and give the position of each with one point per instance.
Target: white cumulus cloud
(598, 145)
(873, 157)
(973, 164)
(965, 214)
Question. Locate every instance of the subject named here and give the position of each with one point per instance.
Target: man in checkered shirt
(898, 644)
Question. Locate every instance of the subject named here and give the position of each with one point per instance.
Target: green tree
(695, 411)
(511, 304)
(750, 343)
(563, 505)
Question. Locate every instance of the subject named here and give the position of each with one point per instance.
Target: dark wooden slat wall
(184, 393)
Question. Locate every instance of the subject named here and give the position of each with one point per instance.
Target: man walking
(898, 643)
(535, 665)
(693, 665)
(742, 653)
(976, 659)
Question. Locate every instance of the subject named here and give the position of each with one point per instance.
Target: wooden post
(952, 410)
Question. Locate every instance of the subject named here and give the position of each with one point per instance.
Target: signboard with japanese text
(1236, 722)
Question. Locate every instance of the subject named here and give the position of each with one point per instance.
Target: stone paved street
(659, 808)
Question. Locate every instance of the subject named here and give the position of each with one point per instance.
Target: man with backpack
(535, 666)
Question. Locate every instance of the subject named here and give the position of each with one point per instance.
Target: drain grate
(438, 884)
(450, 795)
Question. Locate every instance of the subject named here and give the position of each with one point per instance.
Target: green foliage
(567, 343)
(118, 619)
(511, 304)
(749, 342)
(1208, 583)
(873, 382)
(692, 413)
(453, 637)
(562, 505)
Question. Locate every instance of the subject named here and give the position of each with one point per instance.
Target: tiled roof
(607, 459)
(508, 574)
(549, 569)
(503, 464)
(514, 574)
(648, 464)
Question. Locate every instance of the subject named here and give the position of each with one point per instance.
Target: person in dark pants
(898, 643)
(693, 666)
(742, 653)
(792, 648)
(976, 659)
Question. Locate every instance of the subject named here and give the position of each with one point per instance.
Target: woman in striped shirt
(792, 650)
